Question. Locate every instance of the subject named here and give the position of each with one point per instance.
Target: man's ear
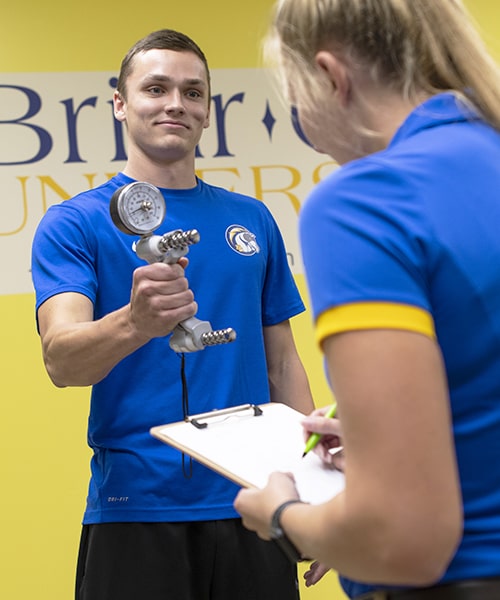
(119, 106)
(336, 72)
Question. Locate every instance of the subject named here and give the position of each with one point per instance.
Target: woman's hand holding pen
(329, 448)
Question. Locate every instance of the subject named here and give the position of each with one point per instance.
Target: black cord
(187, 472)
(185, 396)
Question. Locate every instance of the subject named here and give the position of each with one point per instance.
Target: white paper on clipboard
(247, 443)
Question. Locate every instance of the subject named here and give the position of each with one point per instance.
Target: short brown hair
(163, 39)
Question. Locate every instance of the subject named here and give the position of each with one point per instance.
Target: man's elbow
(64, 375)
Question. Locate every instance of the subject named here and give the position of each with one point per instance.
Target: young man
(155, 525)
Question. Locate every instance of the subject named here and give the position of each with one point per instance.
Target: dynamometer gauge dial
(137, 208)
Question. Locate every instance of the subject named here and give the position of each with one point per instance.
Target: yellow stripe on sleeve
(374, 315)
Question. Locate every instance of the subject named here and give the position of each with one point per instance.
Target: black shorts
(205, 560)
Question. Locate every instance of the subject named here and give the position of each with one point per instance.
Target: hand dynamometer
(138, 208)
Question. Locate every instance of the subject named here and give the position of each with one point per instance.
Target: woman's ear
(336, 72)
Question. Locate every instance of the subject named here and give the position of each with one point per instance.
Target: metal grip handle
(219, 336)
(178, 240)
(167, 248)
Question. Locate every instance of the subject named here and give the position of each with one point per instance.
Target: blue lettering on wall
(220, 121)
(44, 137)
(71, 116)
(220, 110)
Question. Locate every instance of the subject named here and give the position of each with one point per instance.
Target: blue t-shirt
(417, 226)
(241, 279)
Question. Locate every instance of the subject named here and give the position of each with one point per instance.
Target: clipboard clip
(200, 421)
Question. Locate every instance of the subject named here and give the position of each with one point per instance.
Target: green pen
(315, 437)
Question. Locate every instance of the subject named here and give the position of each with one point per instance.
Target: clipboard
(247, 443)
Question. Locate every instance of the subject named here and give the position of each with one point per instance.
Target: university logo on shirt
(241, 240)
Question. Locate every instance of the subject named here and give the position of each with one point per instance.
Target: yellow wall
(44, 459)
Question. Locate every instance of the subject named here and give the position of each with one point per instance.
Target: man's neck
(172, 175)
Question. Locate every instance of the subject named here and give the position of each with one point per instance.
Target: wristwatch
(280, 537)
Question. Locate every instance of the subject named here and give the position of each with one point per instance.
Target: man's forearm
(83, 353)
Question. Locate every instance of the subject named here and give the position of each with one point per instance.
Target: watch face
(137, 208)
(276, 532)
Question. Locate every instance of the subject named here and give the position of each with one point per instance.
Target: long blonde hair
(413, 46)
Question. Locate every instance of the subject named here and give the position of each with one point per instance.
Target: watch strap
(275, 519)
(280, 537)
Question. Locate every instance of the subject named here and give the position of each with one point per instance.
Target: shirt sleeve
(62, 257)
(366, 252)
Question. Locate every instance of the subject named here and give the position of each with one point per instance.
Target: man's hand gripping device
(138, 209)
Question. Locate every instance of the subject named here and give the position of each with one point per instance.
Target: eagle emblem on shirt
(241, 240)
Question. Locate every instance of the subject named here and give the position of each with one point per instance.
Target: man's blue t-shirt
(240, 278)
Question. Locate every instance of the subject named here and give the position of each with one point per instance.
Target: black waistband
(469, 589)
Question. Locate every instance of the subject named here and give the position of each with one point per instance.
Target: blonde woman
(401, 247)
